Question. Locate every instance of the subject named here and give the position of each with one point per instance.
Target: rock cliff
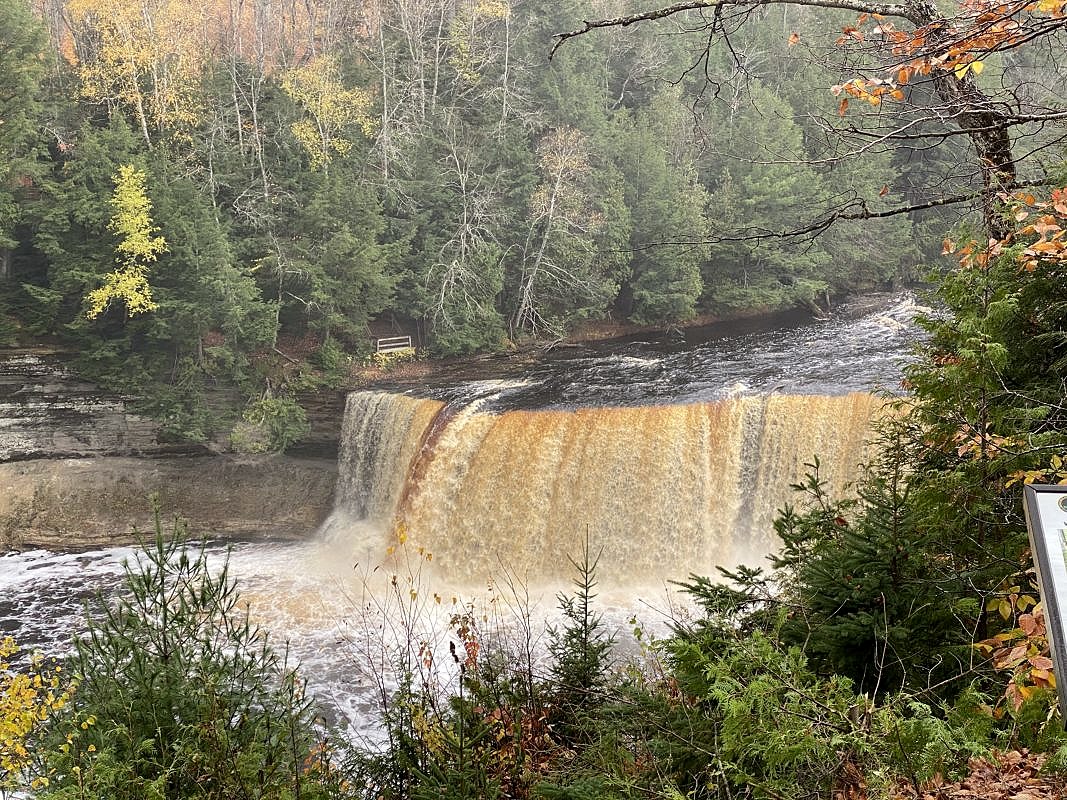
(75, 504)
(79, 470)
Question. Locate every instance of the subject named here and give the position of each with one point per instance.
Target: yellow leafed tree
(330, 107)
(472, 42)
(26, 700)
(138, 247)
(142, 54)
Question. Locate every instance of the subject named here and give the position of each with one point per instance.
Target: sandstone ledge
(80, 504)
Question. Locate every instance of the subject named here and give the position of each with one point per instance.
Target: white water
(345, 623)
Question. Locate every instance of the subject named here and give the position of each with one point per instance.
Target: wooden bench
(391, 344)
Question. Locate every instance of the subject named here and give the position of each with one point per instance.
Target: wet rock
(325, 411)
(46, 412)
(84, 503)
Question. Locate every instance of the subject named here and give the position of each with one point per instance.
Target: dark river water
(861, 348)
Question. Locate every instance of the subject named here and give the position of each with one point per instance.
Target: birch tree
(142, 56)
(330, 110)
(137, 248)
(559, 258)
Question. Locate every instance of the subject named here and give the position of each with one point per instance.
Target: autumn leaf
(1041, 662)
(1029, 624)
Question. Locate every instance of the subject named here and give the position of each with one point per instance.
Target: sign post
(1046, 521)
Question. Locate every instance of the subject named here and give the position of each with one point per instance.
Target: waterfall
(663, 491)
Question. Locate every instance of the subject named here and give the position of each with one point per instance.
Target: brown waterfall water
(662, 490)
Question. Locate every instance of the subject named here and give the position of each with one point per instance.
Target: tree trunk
(986, 127)
(990, 136)
(997, 164)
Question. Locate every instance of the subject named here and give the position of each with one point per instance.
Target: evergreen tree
(667, 207)
(21, 44)
(180, 696)
(73, 215)
(339, 266)
(895, 591)
(756, 199)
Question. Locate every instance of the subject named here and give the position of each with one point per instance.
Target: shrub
(394, 358)
(28, 696)
(181, 696)
(467, 716)
(270, 424)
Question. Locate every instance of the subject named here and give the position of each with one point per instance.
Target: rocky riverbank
(47, 412)
(79, 469)
(85, 503)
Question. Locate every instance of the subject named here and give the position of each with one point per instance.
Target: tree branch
(859, 6)
(852, 211)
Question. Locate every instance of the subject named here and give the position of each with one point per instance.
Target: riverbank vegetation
(228, 203)
(895, 646)
(173, 693)
(191, 196)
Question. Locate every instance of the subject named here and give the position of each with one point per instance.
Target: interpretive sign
(1046, 520)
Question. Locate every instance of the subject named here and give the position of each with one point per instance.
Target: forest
(218, 206)
(234, 198)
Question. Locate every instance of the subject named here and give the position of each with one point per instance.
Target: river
(670, 455)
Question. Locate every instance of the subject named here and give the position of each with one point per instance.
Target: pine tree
(180, 695)
(21, 43)
(581, 648)
(668, 211)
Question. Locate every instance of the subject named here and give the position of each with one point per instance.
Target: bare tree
(557, 249)
(461, 279)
